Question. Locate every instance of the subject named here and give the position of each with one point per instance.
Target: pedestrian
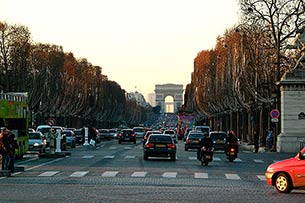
(269, 139)
(256, 139)
(4, 148)
(11, 151)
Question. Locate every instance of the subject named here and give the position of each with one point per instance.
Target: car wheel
(135, 142)
(145, 157)
(120, 141)
(173, 157)
(283, 183)
(186, 149)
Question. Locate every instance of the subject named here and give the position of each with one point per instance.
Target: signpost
(274, 114)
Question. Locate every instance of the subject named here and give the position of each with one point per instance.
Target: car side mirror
(301, 157)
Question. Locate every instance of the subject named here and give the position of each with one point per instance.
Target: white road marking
(130, 157)
(169, 175)
(108, 157)
(110, 173)
(88, 157)
(216, 159)
(79, 174)
(261, 177)
(201, 175)
(258, 161)
(140, 174)
(232, 176)
(48, 173)
(43, 164)
(127, 148)
(192, 158)
(112, 147)
(238, 160)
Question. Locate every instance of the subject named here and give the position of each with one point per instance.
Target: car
(159, 145)
(79, 135)
(139, 131)
(219, 139)
(104, 134)
(192, 140)
(287, 174)
(148, 133)
(186, 133)
(127, 135)
(203, 128)
(37, 142)
(113, 133)
(70, 138)
(172, 133)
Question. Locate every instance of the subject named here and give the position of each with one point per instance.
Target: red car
(287, 174)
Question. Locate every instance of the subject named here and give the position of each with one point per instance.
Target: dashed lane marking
(110, 173)
(108, 157)
(130, 157)
(169, 175)
(232, 176)
(78, 174)
(261, 177)
(87, 157)
(139, 174)
(201, 175)
(258, 161)
(48, 173)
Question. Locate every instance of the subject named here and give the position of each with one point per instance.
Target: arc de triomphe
(162, 91)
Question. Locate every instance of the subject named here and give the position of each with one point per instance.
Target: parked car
(139, 131)
(287, 174)
(70, 138)
(79, 135)
(192, 140)
(172, 133)
(219, 139)
(50, 131)
(127, 135)
(148, 133)
(159, 145)
(37, 142)
(104, 134)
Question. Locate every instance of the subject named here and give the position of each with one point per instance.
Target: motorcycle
(206, 155)
(231, 152)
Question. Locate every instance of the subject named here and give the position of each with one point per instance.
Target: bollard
(86, 137)
(58, 140)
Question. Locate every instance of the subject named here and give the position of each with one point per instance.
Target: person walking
(256, 139)
(4, 148)
(11, 151)
(269, 139)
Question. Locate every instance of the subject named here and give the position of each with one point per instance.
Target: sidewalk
(246, 147)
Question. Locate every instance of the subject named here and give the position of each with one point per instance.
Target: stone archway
(162, 91)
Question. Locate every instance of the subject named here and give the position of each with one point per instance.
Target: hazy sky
(138, 43)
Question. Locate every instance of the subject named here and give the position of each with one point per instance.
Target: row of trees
(59, 85)
(235, 84)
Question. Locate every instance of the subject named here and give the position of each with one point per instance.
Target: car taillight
(133, 135)
(172, 146)
(121, 134)
(188, 140)
(149, 145)
(232, 150)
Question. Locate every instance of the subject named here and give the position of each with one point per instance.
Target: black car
(79, 134)
(192, 140)
(219, 139)
(127, 135)
(159, 145)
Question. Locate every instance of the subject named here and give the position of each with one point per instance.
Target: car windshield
(195, 135)
(44, 130)
(159, 138)
(218, 135)
(169, 132)
(35, 136)
(138, 130)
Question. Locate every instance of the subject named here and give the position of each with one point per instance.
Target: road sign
(51, 121)
(274, 120)
(274, 113)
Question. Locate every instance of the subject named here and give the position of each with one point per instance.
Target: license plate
(208, 157)
(196, 141)
(160, 145)
(232, 153)
(127, 138)
(219, 142)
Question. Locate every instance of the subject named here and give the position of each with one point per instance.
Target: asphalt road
(117, 173)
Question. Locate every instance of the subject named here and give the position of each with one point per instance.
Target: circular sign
(275, 113)
(51, 121)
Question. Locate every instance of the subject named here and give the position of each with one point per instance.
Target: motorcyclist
(206, 142)
(231, 141)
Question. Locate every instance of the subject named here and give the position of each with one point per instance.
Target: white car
(172, 133)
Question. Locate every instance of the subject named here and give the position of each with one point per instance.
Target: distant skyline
(138, 43)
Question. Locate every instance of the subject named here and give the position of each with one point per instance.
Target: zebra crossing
(144, 174)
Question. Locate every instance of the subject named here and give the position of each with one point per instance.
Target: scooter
(231, 152)
(206, 155)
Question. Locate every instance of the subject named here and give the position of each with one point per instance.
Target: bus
(14, 115)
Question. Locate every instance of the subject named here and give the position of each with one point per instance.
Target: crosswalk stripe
(139, 174)
(201, 175)
(87, 157)
(48, 173)
(110, 173)
(192, 158)
(238, 160)
(261, 177)
(169, 175)
(216, 159)
(127, 148)
(232, 176)
(108, 157)
(130, 157)
(258, 161)
(79, 174)
(112, 147)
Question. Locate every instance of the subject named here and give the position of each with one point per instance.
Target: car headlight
(36, 144)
